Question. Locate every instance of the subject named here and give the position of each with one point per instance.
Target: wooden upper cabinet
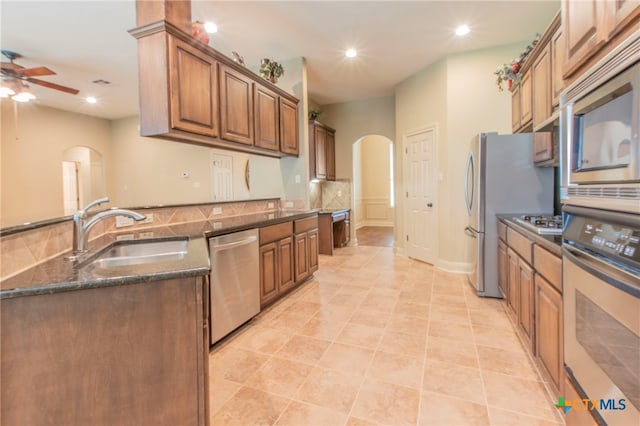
(266, 118)
(620, 13)
(557, 64)
(515, 109)
(330, 152)
(526, 91)
(193, 81)
(541, 75)
(321, 152)
(236, 106)
(289, 127)
(583, 31)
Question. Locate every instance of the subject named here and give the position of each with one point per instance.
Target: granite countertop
(59, 275)
(552, 243)
(332, 211)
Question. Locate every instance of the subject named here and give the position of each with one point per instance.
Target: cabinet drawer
(275, 232)
(339, 217)
(520, 244)
(549, 266)
(306, 224)
(502, 231)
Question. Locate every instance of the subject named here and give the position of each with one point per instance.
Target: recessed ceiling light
(462, 30)
(351, 53)
(210, 27)
(91, 99)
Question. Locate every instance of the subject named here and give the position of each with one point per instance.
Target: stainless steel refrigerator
(500, 178)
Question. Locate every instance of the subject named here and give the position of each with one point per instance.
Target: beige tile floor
(378, 339)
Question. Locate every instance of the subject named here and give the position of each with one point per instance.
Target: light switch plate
(269, 205)
(217, 210)
(288, 204)
(145, 235)
(217, 225)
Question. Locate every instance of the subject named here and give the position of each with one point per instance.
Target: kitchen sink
(131, 253)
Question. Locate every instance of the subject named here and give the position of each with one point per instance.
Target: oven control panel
(620, 242)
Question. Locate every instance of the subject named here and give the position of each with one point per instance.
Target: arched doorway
(373, 194)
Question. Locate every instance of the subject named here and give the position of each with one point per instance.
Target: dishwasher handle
(233, 244)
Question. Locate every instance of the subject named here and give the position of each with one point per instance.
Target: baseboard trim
(374, 223)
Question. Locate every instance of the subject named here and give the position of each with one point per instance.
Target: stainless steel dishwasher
(235, 281)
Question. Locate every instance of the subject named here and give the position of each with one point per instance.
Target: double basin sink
(138, 252)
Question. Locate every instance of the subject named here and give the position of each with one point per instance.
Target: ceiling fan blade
(35, 72)
(10, 66)
(53, 86)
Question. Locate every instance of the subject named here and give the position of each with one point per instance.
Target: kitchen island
(128, 344)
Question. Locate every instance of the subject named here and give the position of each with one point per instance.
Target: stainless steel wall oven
(601, 280)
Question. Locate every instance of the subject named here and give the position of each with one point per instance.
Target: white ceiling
(88, 40)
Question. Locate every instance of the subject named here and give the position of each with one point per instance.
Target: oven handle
(599, 269)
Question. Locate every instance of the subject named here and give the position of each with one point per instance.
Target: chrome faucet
(81, 226)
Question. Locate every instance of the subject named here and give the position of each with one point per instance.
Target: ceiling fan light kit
(14, 78)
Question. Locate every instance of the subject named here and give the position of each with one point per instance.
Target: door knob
(429, 204)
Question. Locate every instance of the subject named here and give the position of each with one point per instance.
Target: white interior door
(422, 237)
(70, 188)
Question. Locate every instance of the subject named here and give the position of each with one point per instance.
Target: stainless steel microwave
(603, 132)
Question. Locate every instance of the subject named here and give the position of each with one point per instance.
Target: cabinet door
(313, 250)
(285, 263)
(557, 64)
(288, 127)
(620, 13)
(301, 257)
(541, 75)
(584, 31)
(513, 292)
(193, 90)
(321, 153)
(503, 268)
(526, 90)
(525, 308)
(548, 320)
(266, 118)
(236, 106)
(515, 109)
(330, 152)
(542, 147)
(268, 273)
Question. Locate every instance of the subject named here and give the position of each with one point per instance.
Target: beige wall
(459, 96)
(32, 147)
(352, 121)
(371, 174)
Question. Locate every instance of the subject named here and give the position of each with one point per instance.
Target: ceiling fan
(12, 72)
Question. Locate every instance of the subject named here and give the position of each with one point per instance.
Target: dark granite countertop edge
(333, 211)
(104, 282)
(542, 240)
(197, 263)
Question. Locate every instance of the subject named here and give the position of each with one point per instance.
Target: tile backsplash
(22, 250)
(336, 194)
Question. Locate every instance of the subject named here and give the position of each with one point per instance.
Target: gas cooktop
(541, 224)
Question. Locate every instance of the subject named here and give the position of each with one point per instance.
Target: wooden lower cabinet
(548, 325)
(503, 269)
(287, 258)
(133, 354)
(302, 259)
(513, 292)
(526, 309)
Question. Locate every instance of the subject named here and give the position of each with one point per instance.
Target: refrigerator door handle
(470, 232)
(469, 168)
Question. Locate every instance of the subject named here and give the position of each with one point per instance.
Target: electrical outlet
(339, 193)
(288, 204)
(271, 215)
(124, 237)
(148, 219)
(298, 180)
(184, 175)
(145, 235)
(269, 205)
(217, 210)
(123, 221)
(217, 225)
